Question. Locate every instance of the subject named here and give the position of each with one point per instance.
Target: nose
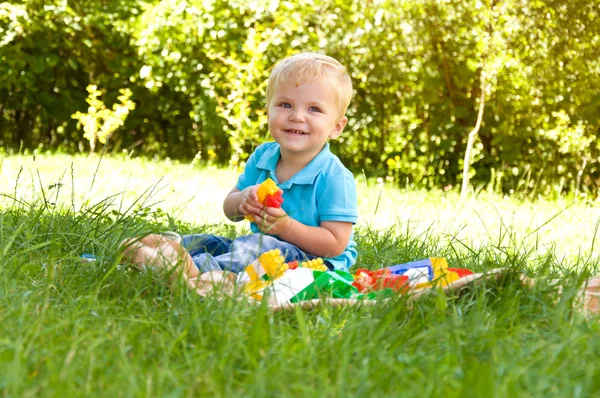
(296, 115)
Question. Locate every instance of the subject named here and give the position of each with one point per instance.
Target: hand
(249, 203)
(273, 221)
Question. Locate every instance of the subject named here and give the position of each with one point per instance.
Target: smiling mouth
(296, 132)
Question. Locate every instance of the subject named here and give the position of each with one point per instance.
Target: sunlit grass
(75, 328)
(194, 195)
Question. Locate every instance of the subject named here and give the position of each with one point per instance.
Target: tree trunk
(471, 140)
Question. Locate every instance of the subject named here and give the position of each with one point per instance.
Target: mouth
(295, 132)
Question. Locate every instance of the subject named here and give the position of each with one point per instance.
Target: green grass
(73, 328)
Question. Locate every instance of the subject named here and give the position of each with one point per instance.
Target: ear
(338, 128)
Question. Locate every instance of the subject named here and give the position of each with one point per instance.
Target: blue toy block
(400, 269)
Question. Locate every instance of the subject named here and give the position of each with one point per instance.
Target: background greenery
(197, 72)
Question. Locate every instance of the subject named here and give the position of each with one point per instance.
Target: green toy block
(346, 275)
(312, 291)
(326, 282)
(341, 288)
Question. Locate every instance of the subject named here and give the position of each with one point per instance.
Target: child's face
(303, 118)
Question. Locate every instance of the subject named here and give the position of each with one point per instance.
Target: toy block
(255, 288)
(288, 285)
(269, 195)
(312, 291)
(269, 265)
(424, 265)
(346, 275)
(426, 272)
(441, 275)
(274, 200)
(340, 287)
(398, 283)
(316, 264)
(273, 264)
(326, 282)
(417, 276)
(267, 187)
(362, 282)
(461, 272)
(367, 280)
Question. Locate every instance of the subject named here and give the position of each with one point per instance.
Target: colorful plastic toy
(367, 281)
(269, 195)
(328, 283)
(432, 271)
(285, 287)
(269, 278)
(316, 264)
(268, 266)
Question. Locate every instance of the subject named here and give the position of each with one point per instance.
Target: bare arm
(239, 203)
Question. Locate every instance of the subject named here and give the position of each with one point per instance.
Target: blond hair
(312, 67)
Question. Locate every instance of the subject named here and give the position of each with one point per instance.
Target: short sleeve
(251, 173)
(337, 199)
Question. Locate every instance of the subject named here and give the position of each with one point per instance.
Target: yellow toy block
(255, 289)
(316, 264)
(441, 275)
(267, 187)
(269, 265)
(273, 263)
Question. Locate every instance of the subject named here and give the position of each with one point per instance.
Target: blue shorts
(216, 253)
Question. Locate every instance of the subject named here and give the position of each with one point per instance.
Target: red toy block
(398, 283)
(460, 271)
(274, 200)
(367, 280)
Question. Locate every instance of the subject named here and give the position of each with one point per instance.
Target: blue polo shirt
(324, 190)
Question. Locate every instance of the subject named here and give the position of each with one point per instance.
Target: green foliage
(100, 122)
(198, 69)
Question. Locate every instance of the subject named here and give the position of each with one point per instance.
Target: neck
(291, 164)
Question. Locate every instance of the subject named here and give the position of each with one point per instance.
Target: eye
(285, 105)
(314, 109)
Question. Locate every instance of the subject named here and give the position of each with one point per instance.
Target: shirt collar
(268, 161)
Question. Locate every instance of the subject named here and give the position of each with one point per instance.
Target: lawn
(73, 328)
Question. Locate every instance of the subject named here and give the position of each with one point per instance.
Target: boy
(307, 98)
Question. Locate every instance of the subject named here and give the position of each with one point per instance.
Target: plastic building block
(441, 275)
(418, 276)
(316, 264)
(269, 265)
(288, 285)
(424, 265)
(312, 291)
(346, 275)
(327, 283)
(461, 272)
(273, 264)
(274, 200)
(255, 288)
(378, 280)
(422, 273)
(269, 195)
